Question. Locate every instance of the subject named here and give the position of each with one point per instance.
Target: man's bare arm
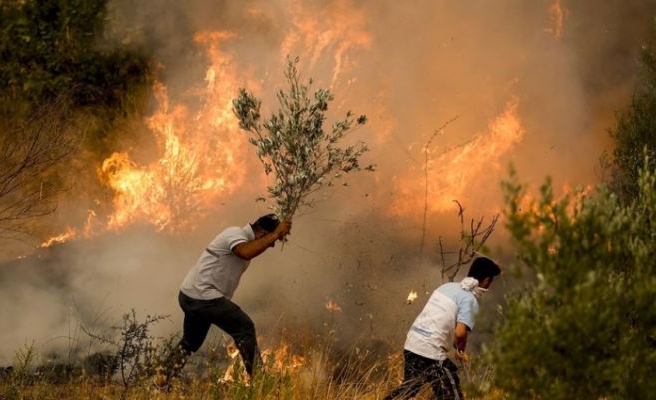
(461, 337)
(253, 248)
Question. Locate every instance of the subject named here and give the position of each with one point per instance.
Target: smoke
(411, 69)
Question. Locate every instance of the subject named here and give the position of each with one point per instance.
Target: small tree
(137, 352)
(586, 328)
(293, 145)
(30, 153)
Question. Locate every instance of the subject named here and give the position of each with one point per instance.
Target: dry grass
(305, 366)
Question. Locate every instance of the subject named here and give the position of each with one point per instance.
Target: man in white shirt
(207, 289)
(443, 324)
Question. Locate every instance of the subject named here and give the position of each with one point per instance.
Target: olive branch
(293, 145)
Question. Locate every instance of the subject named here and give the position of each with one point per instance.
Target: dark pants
(199, 315)
(419, 371)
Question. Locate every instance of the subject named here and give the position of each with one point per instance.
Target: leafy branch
(293, 145)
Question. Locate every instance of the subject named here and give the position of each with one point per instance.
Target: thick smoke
(411, 69)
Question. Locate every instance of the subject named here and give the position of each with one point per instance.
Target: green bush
(586, 327)
(633, 133)
(53, 47)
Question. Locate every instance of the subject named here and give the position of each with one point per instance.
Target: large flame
(199, 154)
(201, 151)
(447, 175)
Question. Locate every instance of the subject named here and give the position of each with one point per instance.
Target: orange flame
(338, 27)
(452, 171)
(557, 16)
(198, 152)
(280, 359)
(61, 238)
(332, 306)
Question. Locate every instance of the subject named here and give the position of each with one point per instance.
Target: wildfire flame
(280, 359)
(451, 171)
(61, 238)
(339, 27)
(200, 152)
(557, 16)
(197, 153)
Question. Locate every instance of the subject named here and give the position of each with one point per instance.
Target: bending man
(443, 324)
(206, 293)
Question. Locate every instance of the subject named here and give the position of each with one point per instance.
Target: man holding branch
(206, 293)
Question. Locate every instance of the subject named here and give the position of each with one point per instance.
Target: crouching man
(443, 324)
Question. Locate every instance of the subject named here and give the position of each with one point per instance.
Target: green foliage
(635, 132)
(51, 47)
(21, 374)
(586, 328)
(293, 145)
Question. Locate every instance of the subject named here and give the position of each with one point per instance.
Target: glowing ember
(232, 351)
(332, 306)
(412, 296)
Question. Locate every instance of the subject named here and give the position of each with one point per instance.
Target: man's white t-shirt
(218, 271)
(432, 333)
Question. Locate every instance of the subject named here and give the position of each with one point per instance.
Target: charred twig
(426, 159)
(470, 243)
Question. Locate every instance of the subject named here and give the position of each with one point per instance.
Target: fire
(332, 306)
(339, 27)
(280, 360)
(450, 173)
(412, 296)
(197, 152)
(61, 238)
(200, 153)
(557, 16)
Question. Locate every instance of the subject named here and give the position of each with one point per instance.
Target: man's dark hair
(482, 268)
(267, 222)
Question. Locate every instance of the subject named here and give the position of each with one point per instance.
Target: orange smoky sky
(454, 92)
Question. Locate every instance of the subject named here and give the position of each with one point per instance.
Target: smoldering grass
(299, 364)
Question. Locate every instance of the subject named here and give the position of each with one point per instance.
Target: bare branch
(31, 151)
(426, 160)
(470, 243)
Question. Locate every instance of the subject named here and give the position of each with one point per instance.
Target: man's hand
(283, 229)
(462, 356)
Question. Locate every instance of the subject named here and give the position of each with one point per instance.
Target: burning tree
(293, 145)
